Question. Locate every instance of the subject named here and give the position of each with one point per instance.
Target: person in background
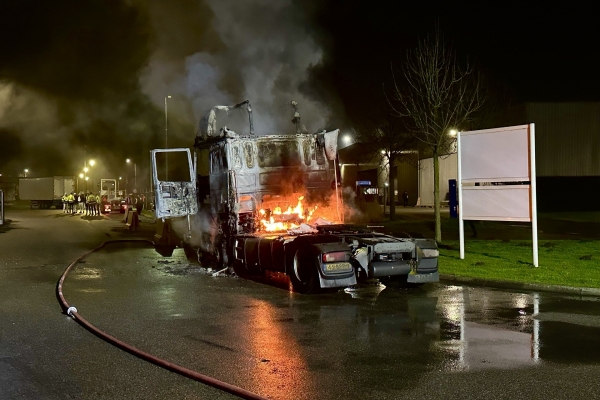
(139, 205)
(90, 204)
(71, 200)
(98, 204)
(405, 198)
(65, 201)
(80, 203)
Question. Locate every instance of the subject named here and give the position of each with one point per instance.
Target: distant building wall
(448, 170)
(408, 180)
(567, 136)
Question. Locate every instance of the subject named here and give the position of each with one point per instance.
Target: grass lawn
(561, 262)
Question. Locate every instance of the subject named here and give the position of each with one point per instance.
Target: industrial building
(567, 159)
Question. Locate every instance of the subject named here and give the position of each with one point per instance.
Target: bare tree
(438, 96)
(385, 137)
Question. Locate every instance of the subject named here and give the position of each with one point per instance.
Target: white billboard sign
(496, 155)
(496, 177)
(496, 203)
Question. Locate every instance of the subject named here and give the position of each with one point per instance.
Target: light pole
(92, 163)
(85, 177)
(166, 139)
(79, 176)
(25, 171)
(118, 182)
(134, 175)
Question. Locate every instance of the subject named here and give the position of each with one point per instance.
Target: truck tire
(303, 273)
(221, 254)
(190, 252)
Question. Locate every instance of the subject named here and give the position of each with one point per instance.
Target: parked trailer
(47, 191)
(238, 186)
(108, 195)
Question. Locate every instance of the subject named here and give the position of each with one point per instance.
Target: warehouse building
(567, 159)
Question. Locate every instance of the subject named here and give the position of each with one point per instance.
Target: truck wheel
(190, 253)
(221, 255)
(303, 273)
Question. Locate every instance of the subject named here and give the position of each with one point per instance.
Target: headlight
(430, 253)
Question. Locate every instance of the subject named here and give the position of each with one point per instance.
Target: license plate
(423, 278)
(337, 266)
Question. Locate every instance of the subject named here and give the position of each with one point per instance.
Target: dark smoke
(88, 79)
(69, 86)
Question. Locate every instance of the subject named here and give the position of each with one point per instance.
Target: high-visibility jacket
(71, 198)
(91, 198)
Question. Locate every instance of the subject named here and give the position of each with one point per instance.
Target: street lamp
(118, 182)
(85, 171)
(80, 176)
(134, 175)
(26, 171)
(166, 139)
(92, 163)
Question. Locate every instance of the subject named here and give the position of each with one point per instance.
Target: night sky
(87, 79)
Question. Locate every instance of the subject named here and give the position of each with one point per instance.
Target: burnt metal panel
(278, 154)
(245, 180)
(174, 199)
(249, 154)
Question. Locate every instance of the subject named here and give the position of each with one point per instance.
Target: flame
(279, 220)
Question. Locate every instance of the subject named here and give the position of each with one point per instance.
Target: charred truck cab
(271, 203)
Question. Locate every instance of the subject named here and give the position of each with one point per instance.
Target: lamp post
(85, 177)
(92, 163)
(134, 175)
(78, 177)
(25, 171)
(118, 182)
(166, 139)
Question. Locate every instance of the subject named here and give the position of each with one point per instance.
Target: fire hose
(72, 312)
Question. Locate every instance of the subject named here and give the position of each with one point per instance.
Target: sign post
(496, 178)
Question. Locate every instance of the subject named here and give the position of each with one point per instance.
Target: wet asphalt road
(435, 342)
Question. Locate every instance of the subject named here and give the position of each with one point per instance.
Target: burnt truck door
(174, 198)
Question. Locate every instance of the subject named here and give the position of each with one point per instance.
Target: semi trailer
(47, 191)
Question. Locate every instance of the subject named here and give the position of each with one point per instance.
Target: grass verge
(573, 263)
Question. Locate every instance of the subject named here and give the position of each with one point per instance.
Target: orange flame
(292, 217)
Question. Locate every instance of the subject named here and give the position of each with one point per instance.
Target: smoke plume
(83, 80)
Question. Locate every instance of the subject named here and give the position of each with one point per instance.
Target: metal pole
(532, 187)
(337, 197)
(135, 177)
(166, 140)
(461, 223)
(1, 207)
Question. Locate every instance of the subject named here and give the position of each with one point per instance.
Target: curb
(520, 285)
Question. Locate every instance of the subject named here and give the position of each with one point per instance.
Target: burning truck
(256, 203)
